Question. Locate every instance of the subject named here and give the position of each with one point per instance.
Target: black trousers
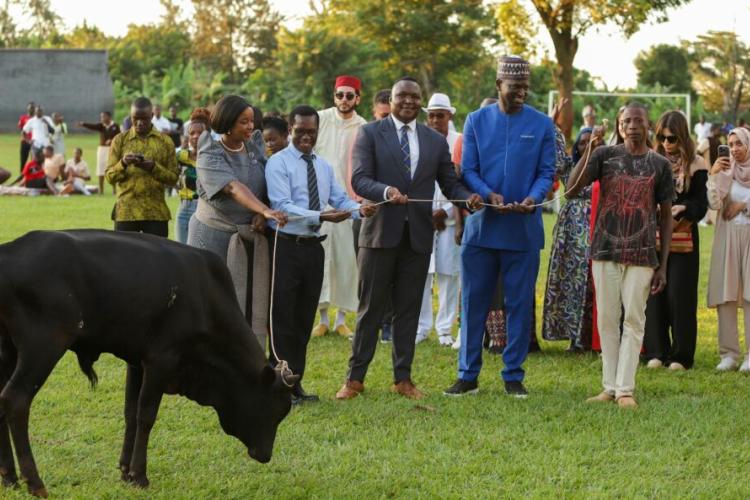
(155, 227)
(388, 273)
(676, 308)
(25, 149)
(299, 278)
(388, 315)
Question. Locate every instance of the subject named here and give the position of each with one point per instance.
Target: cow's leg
(148, 406)
(7, 462)
(15, 400)
(133, 383)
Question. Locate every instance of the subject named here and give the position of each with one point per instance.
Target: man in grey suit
(394, 159)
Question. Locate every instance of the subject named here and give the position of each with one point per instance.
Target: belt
(299, 240)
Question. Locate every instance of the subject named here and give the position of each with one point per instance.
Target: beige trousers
(729, 344)
(620, 286)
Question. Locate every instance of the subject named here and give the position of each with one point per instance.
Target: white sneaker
(445, 339)
(421, 337)
(457, 344)
(745, 367)
(654, 363)
(726, 364)
(676, 367)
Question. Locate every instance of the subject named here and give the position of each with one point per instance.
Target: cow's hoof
(39, 492)
(139, 481)
(124, 471)
(8, 478)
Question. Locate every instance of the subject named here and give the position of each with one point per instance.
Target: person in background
(589, 116)
(257, 137)
(702, 129)
(729, 276)
(302, 184)
(54, 164)
(4, 175)
(676, 307)
(60, 131)
(381, 104)
(275, 134)
(76, 174)
(141, 164)
(25, 136)
(176, 130)
(339, 125)
(186, 159)
(445, 258)
(127, 123)
(107, 129)
(33, 175)
(160, 122)
(41, 128)
(569, 294)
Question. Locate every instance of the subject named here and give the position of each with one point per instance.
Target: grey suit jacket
(377, 163)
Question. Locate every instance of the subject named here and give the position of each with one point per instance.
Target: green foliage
(665, 65)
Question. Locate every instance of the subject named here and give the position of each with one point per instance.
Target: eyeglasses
(671, 139)
(349, 96)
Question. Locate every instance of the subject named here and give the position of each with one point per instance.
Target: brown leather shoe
(350, 390)
(407, 389)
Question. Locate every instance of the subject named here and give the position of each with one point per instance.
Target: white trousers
(448, 286)
(620, 286)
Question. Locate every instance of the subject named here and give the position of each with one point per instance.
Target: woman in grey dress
(232, 200)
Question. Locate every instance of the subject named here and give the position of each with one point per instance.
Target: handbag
(682, 237)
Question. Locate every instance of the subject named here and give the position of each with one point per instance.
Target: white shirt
(39, 130)
(740, 193)
(702, 130)
(411, 134)
(162, 124)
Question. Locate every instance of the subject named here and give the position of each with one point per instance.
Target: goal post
(686, 97)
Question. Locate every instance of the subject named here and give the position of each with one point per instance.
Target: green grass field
(687, 439)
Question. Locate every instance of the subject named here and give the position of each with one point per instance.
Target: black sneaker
(462, 388)
(299, 396)
(516, 389)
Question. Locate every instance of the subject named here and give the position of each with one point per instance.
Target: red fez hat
(348, 81)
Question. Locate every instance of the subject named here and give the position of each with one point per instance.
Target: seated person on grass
(54, 164)
(33, 175)
(4, 175)
(76, 175)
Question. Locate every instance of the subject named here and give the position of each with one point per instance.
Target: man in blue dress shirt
(509, 159)
(302, 184)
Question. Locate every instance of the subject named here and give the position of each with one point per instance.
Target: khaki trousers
(729, 344)
(620, 286)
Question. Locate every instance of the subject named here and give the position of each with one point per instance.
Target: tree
(235, 36)
(721, 64)
(84, 36)
(567, 20)
(665, 65)
(430, 39)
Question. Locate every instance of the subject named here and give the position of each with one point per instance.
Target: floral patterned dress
(568, 299)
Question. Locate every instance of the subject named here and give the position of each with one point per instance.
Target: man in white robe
(338, 129)
(445, 261)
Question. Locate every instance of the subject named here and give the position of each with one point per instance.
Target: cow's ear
(268, 376)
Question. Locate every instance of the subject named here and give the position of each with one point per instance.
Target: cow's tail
(87, 367)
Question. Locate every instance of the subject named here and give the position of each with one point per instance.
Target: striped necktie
(312, 184)
(405, 151)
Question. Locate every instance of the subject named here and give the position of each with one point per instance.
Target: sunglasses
(671, 139)
(349, 96)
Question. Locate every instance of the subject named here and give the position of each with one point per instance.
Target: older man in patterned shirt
(142, 163)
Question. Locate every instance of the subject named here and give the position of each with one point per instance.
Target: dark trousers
(155, 227)
(388, 315)
(676, 307)
(399, 272)
(25, 149)
(299, 277)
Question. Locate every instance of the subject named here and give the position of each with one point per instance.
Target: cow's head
(254, 412)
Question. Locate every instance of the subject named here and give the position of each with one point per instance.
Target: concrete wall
(75, 83)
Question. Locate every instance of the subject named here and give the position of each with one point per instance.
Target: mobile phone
(723, 151)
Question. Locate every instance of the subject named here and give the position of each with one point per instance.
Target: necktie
(312, 184)
(405, 152)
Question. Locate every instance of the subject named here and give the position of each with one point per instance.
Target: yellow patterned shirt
(140, 194)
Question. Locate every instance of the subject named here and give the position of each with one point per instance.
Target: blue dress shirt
(286, 179)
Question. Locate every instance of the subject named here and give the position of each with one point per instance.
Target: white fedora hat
(439, 101)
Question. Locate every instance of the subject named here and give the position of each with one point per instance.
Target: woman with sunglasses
(729, 278)
(676, 306)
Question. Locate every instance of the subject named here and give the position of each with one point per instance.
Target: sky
(605, 54)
